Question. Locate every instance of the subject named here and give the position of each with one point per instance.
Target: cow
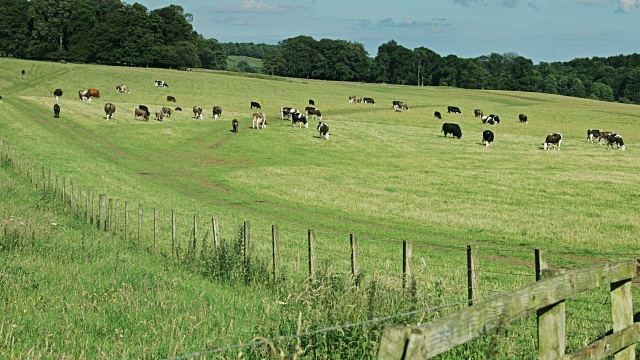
(171, 99)
(399, 105)
(495, 118)
(235, 125)
(197, 112)
(491, 121)
(323, 129)
(57, 93)
(615, 139)
(368, 101)
(355, 99)
(477, 113)
(56, 111)
(122, 89)
(286, 112)
(453, 129)
(311, 102)
(0, 97)
(217, 112)
(297, 117)
(485, 119)
(487, 138)
(437, 115)
(523, 118)
(94, 93)
(141, 113)
(259, 121)
(22, 72)
(84, 95)
(159, 115)
(453, 109)
(313, 111)
(178, 108)
(591, 134)
(552, 140)
(603, 135)
(255, 105)
(109, 110)
(161, 83)
(146, 109)
(166, 111)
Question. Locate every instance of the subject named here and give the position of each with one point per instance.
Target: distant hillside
(244, 64)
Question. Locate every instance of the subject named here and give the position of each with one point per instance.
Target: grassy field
(385, 176)
(255, 63)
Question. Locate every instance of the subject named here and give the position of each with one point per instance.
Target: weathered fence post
(126, 221)
(622, 314)
(43, 178)
(117, 227)
(551, 319)
(79, 199)
(64, 188)
(195, 233)
(355, 268)
(247, 242)
(174, 234)
(103, 212)
(93, 209)
(406, 264)
(31, 174)
(110, 215)
(312, 254)
(156, 232)
(71, 194)
(56, 191)
(472, 273)
(275, 250)
(140, 224)
(216, 233)
(88, 209)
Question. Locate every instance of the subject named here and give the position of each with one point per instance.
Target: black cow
(109, 110)
(57, 93)
(217, 112)
(453, 129)
(146, 109)
(255, 105)
(323, 129)
(140, 113)
(368, 101)
(297, 117)
(523, 118)
(437, 115)
(552, 140)
(235, 125)
(286, 112)
(313, 111)
(615, 139)
(56, 111)
(487, 137)
(178, 108)
(311, 102)
(453, 109)
(477, 113)
(171, 98)
(591, 134)
(22, 72)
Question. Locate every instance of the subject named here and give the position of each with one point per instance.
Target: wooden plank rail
(428, 340)
(609, 345)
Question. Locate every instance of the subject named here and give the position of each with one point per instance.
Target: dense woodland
(114, 32)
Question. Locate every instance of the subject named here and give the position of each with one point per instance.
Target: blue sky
(542, 30)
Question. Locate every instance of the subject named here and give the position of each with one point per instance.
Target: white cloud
(258, 6)
(624, 6)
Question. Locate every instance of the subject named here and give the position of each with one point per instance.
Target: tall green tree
(14, 30)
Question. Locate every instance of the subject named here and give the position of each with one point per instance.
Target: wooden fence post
(71, 193)
(355, 268)
(93, 209)
(622, 314)
(312, 254)
(126, 221)
(117, 227)
(551, 319)
(88, 209)
(140, 224)
(156, 232)
(32, 170)
(102, 225)
(79, 199)
(472, 273)
(406, 264)
(247, 242)
(174, 234)
(42, 177)
(56, 191)
(195, 233)
(110, 215)
(275, 250)
(216, 233)
(64, 188)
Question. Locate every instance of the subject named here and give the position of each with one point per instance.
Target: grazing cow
(286, 112)
(603, 135)
(487, 137)
(255, 105)
(591, 134)
(141, 113)
(552, 140)
(109, 110)
(217, 112)
(453, 109)
(615, 139)
(485, 119)
(57, 93)
(161, 83)
(453, 129)
(477, 113)
(313, 111)
(491, 121)
(259, 121)
(159, 115)
(56, 111)
(84, 95)
(368, 101)
(197, 112)
(122, 89)
(22, 72)
(171, 98)
(523, 118)
(94, 93)
(0, 97)
(166, 111)
(178, 108)
(235, 125)
(495, 118)
(311, 102)
(323, 129)
(355, 99)
(437, 115)
(146, 109)
(399, 105)
(297, 117)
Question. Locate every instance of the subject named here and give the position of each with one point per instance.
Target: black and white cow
(84, 95)
(603, 136)
(323, 129)
(368, 101)
(259, 121)
(495, 118)
(171, 98)
(487, 137)
(453, 109)
(313, 111)
(166, 111)
(57, 93)
(235, 124)
(552, 140)
(437, 115)
(400, 105)
(161, 83)
(122, 89)
(285, 112)
(109, 110)
(591, 133)
(523, 118)
(477, 113)
(355, 99)
(197, 112)
(56, 111)
(217, 112)
(141, 113)
(297, 117)
(453, 129)
(615, 139)
(146, 109)
(255, 105)
(311, 102)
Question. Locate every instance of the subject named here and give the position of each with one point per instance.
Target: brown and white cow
(259, 121)
(603, 135)
(309, 110)
(159, 115)
(285, 112)
(477, 113)
(109, 110)
(217, 112)
(141, 113)
(399, 105)
(197, 112)
(94, 93)
(84, 95)
(552, 140)
(167, 111)
(122, 89)
(355, 99)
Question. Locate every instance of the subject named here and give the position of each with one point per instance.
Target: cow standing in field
(84, 95)
(603, 135)
(259, 121)
(487, 137)
(286, 112)
(523, 118)
(453, 109)
(615, 139)
(369, 101)
(146, 110)
(591, 134)
(437, 115)
(178, 109)
(355, 99)
(171, 99)
(235, 124)
(217, 112)
(109, 110)
(57, 93)
(297, 117)
(122, 89)
(477, 113)
(197, 112)
(159, 115)
(552, 140)
(453, 129)
(255, 105)
(161, 83)
(141, 113)
(313, 111)
(94, 93)
(311, 102)
(323, 129)
(400, 105)
(56, 111)
(166, 111)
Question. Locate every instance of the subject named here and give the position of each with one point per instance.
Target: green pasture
(232, 62)
(384, 176)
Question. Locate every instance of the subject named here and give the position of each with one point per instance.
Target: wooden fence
(547, 298)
